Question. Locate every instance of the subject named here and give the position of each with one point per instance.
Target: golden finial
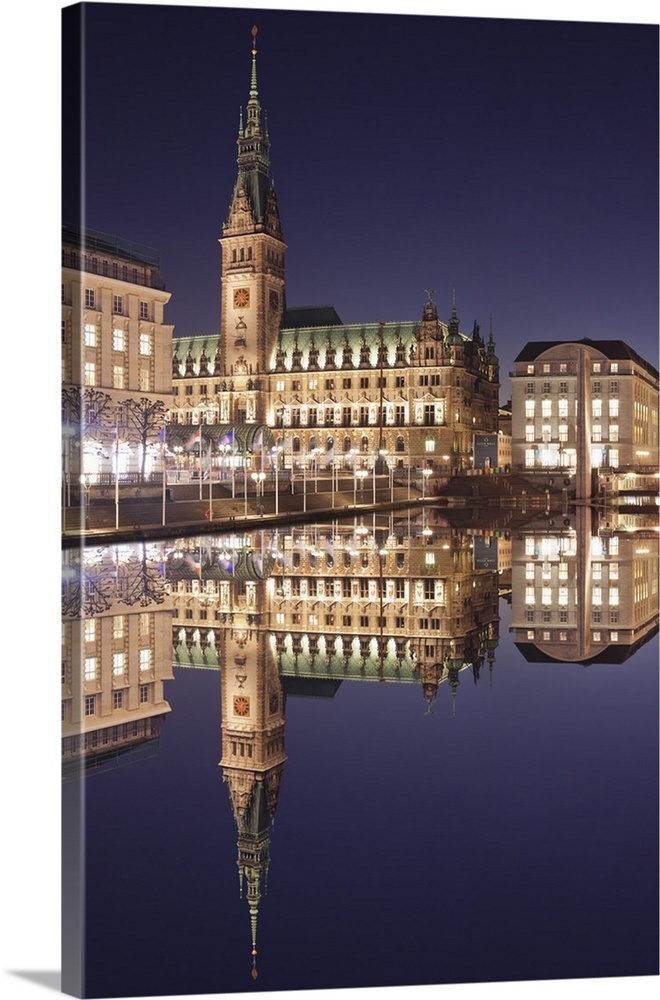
(254, 39)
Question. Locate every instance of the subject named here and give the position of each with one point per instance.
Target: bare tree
(142, 582)
(145, 419)
(89, 410)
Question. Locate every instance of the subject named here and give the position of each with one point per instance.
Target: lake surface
(387, 781)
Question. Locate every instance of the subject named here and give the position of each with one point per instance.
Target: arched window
(400, 444)
(295, 444)
(242, 254)
(249, 256)
(364, 444)
(347, 444)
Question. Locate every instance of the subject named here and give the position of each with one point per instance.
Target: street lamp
(86, 483)
(425, 475)
(258, 478)
(360, 474)
(275, 452)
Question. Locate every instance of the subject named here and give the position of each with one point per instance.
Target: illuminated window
(597, 596)
(90, 629)
(429, 558)
(563, 571)
(614, 432)
(614, 367)
(596, 433)
(118, 627)
(614, 458)
(530, 369)
(597, 570)
(614, 595)
(90, 668)
(90, 373)
(529, 595)
(562, 407)
(614, 571)
(529, 409)
(596, 366)
(118, 664)
(563, 596)
(613, 406)
(614, 636)
(145, 344)
(90, 335)
(145, 659)
(117, 376)
(117, 339)
(429, 444)
(529, 458)
(596, 636)
(529, 571)
(562, 432)
(546, 595)
(546, 408)
(529, 545)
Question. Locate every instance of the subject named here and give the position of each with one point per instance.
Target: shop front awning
(242, 438)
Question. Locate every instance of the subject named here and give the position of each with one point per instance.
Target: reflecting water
(454, 721)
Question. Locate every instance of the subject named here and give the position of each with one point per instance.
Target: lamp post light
(425, 475)
(258, 478)
(275, 452)
(86, 483)
(360, 474)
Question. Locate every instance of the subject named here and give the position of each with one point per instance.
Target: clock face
(241, 705)
(274, 300)
(241, 298)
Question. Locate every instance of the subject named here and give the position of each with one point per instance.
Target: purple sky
(513, 161)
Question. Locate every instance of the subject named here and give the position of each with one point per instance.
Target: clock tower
(253, 251)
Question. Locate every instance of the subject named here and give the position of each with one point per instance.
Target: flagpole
(117, 470)
(210, 484)
(200, 460)
(164, 467)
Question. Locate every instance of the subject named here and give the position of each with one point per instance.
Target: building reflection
(299, 611)
(585, 591)
(408, 600)
(116, 629)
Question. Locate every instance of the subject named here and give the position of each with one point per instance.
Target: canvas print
(359, 502)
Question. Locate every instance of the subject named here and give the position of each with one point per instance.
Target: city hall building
(298, 384)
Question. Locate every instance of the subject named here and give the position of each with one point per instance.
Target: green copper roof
(355, 335)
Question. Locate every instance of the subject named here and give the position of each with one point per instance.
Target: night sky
(515, 162)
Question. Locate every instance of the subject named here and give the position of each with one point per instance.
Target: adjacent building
(116, 357)
(583, 407)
